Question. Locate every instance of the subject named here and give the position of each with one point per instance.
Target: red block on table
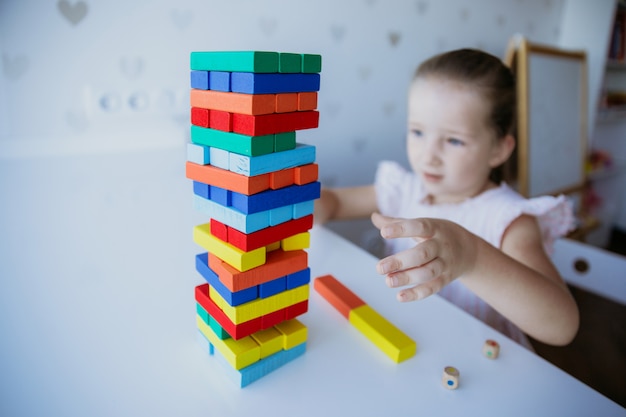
(267, 124)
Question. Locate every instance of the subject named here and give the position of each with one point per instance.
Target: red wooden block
(199, 117)
(220, 230)
(295, 310)
(273, 318)
(221, 120)
(268, 235)
(267, 124)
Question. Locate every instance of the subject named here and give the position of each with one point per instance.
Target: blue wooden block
(198, 154)
(298, 278)
(201, 189)
(273, 287)
(302, 209)
(263, 164)
(219, 158)
(280, 215)
(255, 83)
(221, 196)
(271, 199)
(220, 80)
(233, 298)
(246, 223)
(200, 80)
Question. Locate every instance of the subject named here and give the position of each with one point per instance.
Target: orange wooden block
(278, 263)
(307, 101)
(233, 102)
(337, 294)
(305, 174)
(282, 178)
(287, 102)
(208, 174)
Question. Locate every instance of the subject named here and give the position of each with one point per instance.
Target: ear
(502, 151)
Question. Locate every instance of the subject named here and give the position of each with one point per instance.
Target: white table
(97, 316)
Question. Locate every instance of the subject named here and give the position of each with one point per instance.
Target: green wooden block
(311, 63)
(235, 61)
(284, 141)
(233, 142)
(289, 63)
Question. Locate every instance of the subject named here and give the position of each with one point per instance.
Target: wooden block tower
(257, 185)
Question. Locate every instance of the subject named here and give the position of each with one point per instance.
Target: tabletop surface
(97, 317)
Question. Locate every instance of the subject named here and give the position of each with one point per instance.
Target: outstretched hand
(443, 252)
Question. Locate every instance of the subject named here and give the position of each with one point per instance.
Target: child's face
(449, 142)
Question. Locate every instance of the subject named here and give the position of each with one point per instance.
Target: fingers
(419, 292)
(391, 227)
(414, 257)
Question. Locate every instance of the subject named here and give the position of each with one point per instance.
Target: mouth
(431, 177)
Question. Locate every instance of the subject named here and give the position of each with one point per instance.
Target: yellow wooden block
(239, 353)
(238, 259)
(391, 340)
(293, 331)
(269, 340)
(260, 306)
(273, 246)
(296, 242)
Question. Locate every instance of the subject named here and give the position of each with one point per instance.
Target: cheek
(413, 152)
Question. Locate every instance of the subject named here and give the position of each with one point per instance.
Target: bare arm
(345, 203)
(518, 281)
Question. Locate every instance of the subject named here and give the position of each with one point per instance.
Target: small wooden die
(450, 378)
(491, 349)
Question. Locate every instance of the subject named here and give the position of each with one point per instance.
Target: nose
(431, 153)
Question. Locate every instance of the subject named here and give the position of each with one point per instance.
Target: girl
(456, 229)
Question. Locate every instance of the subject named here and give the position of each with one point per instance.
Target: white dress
(400, 193)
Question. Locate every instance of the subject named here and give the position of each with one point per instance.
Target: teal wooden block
(302, 154)
(231, 61)
(284, 141)
(235, 142)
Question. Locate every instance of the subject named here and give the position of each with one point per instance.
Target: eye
(416, 133)
(455, 142)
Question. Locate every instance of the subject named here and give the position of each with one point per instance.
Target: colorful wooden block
(235, 142)
(284, 141)
(387, 337)
(337, 294)
(267, 200)
(266, 124)
(215, 326)
(234, 103)
(200, 80)
(239, 353)
(220, 81)
(296, 242)
(256, 83)
(307, 101)
(263, 237)
(450, 377)
(238, 331)
(289, 63)
(235, 257)
(198, 154)
(200, 117)
(260, 306)
(491, 349)
(233, 298)
(263, 164)
(249, 61)
(253, 222)
(286, 103)
(209, 174)
(311, 63)
(278, 264)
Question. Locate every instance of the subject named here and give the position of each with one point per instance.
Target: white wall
(96, 76)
